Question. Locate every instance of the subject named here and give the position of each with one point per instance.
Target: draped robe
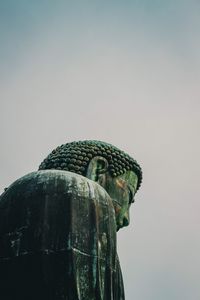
(58, 240)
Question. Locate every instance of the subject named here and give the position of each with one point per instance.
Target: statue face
(121, 190)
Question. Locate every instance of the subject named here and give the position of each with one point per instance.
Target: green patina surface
(58, 228)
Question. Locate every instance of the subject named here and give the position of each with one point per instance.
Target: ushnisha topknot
(75, 157)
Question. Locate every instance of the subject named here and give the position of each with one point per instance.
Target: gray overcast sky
(125, 72)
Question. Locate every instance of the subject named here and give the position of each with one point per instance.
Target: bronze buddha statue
(58, 225)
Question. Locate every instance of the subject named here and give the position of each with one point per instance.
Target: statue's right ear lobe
(97, 166)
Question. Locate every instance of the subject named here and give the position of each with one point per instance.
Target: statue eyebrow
(131, 200)
(131, 195)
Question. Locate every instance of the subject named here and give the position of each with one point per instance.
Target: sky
(127, 73)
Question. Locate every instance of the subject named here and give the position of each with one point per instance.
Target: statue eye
(131, 197)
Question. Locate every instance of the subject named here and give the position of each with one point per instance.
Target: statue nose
(126, 218)
(125, 221)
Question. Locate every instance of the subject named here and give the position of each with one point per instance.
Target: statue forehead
(129, 177)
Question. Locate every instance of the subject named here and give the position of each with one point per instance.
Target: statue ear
(97, 166)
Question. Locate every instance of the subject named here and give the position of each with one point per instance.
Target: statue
(58, 225)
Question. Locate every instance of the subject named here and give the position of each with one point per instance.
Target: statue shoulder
(51, 182)
(57, 210)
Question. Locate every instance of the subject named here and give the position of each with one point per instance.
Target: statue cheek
(117, 209)
(119, 215)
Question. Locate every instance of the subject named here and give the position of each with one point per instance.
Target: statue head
(118, 173)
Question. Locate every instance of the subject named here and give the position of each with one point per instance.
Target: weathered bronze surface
(58, 229)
